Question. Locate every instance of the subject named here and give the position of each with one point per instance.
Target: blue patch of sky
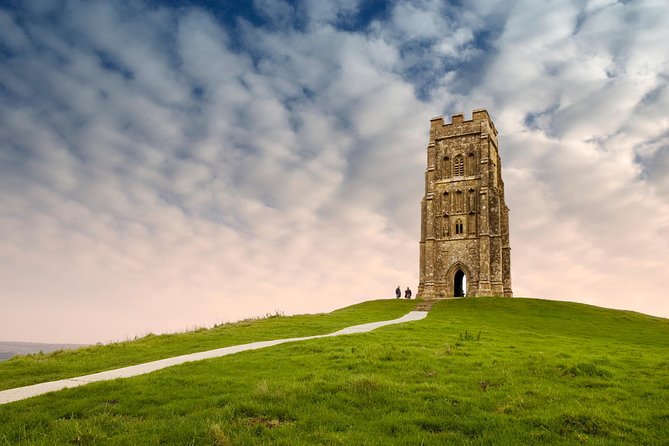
(368, 12)
(531, 120)
(183, 153)
(231, 221)
(197, 92)
(13, 159)
(426, 66)
(170, 198)
(654, 167)
(110, 63)
(226, 11)
(645, 164)
(229, 13)
(14, 11)
(9, 98)
(654, 94)
(581, 18)
(424, 69)
(5, 52)
(485, 38)
(471, 71)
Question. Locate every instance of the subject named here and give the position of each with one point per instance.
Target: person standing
(398, 292)
(407, 293)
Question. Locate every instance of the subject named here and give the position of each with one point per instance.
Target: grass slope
(32, 369)
(538, 372)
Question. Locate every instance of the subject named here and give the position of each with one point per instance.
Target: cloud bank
(168, 165)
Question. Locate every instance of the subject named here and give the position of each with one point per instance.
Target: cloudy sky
(172, 164)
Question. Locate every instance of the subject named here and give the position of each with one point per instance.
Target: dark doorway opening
(459, 284)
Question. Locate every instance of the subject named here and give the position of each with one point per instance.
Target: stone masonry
(464, 219)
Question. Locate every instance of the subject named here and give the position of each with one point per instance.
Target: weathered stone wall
(464, 219)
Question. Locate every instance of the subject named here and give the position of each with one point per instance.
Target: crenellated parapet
(481, 124)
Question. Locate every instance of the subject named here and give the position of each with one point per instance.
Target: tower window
(459, 166)
(459, 228)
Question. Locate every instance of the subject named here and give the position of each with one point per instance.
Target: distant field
(476, 371)
(9, 349)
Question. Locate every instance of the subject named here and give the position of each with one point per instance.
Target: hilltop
(475, 371)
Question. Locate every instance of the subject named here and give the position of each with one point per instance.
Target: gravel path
(20, 393)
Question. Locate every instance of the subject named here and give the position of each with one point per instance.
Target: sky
(168, 165)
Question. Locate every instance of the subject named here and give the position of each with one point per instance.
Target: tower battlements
(481, 122)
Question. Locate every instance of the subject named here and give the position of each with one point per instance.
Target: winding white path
(21, 393)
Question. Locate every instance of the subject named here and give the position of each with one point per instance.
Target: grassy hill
(475, 371)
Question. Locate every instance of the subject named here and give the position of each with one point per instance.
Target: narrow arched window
(459, 229)
(458, 166)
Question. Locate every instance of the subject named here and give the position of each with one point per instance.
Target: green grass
(539, 372)
(32, 369)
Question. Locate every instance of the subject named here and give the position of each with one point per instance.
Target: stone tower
(464, 240)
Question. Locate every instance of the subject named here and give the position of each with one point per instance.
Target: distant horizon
(9, 349)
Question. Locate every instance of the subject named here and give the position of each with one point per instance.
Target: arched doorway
(459, 284)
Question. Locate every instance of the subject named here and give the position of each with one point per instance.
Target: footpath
(20, 393)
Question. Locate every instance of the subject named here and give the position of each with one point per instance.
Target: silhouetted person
(407, 293)
(398, 292)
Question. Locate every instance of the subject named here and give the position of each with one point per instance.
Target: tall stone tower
(464, 240)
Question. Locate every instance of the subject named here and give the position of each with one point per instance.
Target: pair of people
(407, 293)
